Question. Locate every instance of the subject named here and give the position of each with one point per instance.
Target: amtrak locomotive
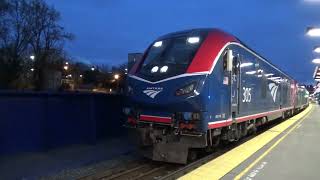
(197, 88)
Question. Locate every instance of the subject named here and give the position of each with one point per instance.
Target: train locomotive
(194, 89)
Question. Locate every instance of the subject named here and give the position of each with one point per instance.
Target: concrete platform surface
(297, 156)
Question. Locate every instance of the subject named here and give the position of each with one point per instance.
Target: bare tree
(15, 36)
(31, 27)
(48, 37)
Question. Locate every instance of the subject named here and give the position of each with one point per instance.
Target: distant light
(116, 76)
(81, 75)
(154, 69)
(32, 57)
(110, 90)
(317, 49)
(260, 75)
(164, 69)
(125, 73)
(70, 75)
(65, 67)
(92, 69)
(157, 44)
(193, 40)
(316, 61)
(313, 32)
(246, 64)
(126, 69)
(273, 78)
(251, 72)
(270, 74)
(32, 69)
(67, 63)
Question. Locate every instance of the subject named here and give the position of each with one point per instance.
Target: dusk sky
(106, 31)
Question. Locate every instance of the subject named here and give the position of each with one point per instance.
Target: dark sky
(106, 30)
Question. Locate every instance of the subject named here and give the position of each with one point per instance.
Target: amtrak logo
(273, 88)
(152, 91)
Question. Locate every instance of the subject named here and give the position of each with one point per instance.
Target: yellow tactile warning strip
(223, 164)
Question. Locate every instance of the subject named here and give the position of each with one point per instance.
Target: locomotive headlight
(186, 89)
(193, 40)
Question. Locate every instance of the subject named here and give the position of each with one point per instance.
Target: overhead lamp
(273, 78)
(316, 61)
(246, 64)
(270, 74)
(250, 72)
(316, 49)
(313, 32)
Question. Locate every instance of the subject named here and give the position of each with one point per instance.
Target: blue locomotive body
(193, 89)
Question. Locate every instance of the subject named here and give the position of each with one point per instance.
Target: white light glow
(65, 67)
(32, 69)
(164, 69)
(273, 78)
(32, 57)
(316, 61)
(157, 44)
(81, 75)
(313, 32)
(193, 40)
(251, 72)
(270, 74)
(116, 76)
(155, 69)
(318, 73)
(92, 69)
(246, 64)
(316, 49)
(67, 63)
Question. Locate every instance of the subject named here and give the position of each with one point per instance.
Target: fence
(40, 121)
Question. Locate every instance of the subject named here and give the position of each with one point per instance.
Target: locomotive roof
(204, 59)
(218, 33)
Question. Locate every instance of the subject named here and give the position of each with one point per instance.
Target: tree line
(31, 43)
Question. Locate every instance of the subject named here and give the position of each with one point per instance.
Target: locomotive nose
(178, 94)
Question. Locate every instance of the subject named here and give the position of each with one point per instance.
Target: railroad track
(145, 169)
(148, 169)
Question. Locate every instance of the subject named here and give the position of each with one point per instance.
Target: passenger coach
(194, 89)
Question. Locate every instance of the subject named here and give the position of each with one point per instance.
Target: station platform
(290, 150)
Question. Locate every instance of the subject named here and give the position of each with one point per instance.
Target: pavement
(60, 161)
(289, 150)
(296, 157)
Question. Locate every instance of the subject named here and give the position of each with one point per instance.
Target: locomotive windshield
(169, 57)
